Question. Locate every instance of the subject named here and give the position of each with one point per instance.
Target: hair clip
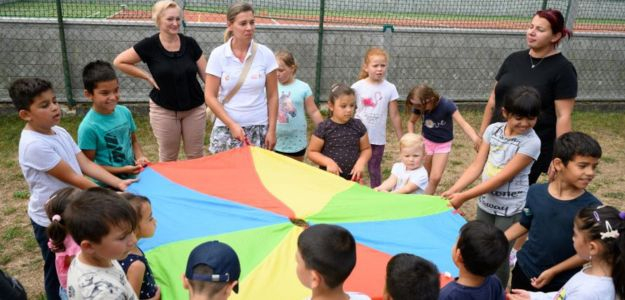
(56, 218)
(596, 214)
(621, 215)
(610, 233)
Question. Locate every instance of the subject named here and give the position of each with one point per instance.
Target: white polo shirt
(249, 105)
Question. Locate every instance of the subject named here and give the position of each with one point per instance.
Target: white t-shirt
(372, 107)
(581, 286)
(88, 282)
(353, 296)
(249, 105)
(38, 153)
(418, 176)
(509, 198)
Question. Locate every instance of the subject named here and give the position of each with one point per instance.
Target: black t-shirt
(174, 72)
(341, 142)
(554, 77)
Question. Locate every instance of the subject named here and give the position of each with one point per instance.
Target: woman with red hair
(544, 68)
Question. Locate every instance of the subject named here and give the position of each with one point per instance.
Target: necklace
(534, 65)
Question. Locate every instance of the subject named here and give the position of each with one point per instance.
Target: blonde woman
(177, 110)
(249, 116)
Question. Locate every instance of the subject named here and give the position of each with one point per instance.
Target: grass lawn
(20, 256)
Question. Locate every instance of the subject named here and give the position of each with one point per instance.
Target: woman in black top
(177, 109)
(547, 70)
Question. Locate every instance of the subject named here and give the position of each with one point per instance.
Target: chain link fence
(456, 46)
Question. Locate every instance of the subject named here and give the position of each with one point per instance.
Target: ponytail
(227, 34)
(57, 232)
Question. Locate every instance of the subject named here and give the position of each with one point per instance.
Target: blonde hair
(373, 51)
(287, 58)
(234, 10)
(411, 140)
(424, 93)
(160, 6)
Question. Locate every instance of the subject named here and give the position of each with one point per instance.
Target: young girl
(135, 265)
(376, 98)
(599, 238)
(408, 176)
(437, 129)
(60, 242)
(294, 96)
(340, 144)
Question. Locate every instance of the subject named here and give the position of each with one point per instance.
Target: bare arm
(412, 122)
(271, 87)
(489, 111)
(135, 276)
(126, 62)
(468, 130)
(63, 172)
(546, 276)
(211, 90)
(408, 188)
(312, 110)
(515, 231)
(363, 159)
(93, 170)
(315, 155)
(130, 169)
(393, 110)
(201, 67)
(388, 184)
(564, 109)
(140, 159)
(472, 172)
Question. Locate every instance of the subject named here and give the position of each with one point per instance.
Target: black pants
(51, 280)
(521, 281)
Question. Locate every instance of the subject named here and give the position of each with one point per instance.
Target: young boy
(410, 277)
(102, 223)
(479, 251)
(212, 272)
(50, 160)
(107, 133)
(548, 260)
(326, 255)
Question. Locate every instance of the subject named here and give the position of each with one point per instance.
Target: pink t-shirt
(71, 249)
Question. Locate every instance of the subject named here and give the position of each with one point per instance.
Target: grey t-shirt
(508, 199)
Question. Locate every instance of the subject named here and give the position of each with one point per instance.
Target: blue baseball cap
(218, 256)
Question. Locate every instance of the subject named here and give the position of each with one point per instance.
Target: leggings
(374, 166)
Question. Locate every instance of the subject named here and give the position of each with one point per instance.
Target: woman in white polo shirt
(249, 117)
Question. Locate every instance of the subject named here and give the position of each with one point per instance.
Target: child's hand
(357, 172)
(123, 184)
(379, 189)
(543, 279)
(518, 295)
(333, 168)
(477, 143)
(142, 161)
(132, 169)
(455, 200)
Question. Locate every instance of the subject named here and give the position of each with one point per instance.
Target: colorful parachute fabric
(252, 199)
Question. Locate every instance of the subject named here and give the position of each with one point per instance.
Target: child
(135, 265)
(599, 239)
(61, 243)
(295, 95)
(375, 99)
(102, 223)
(479, 251)
(410, 277)
(326, 255)
(437, 129)
(340, 144)
(107, 132)
(50, 160)
(212, 272)
(504, 159)
(547, 260)
(408, 176)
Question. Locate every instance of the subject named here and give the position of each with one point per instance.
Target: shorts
(432, 148)
(298, 153)
(222, 140)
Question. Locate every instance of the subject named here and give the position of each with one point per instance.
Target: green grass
(13, 232)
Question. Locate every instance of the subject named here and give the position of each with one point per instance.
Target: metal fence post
(322, 6)
(544, 4)
(569, 19)
(66, 72)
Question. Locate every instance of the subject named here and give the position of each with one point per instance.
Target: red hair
(556, 20)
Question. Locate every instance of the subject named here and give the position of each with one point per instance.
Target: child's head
(146, 223)
(522, 102)
(423, 98)
(342, 102)
(481, 248)
(102, 223)
(286, 66)
(55, 208)
(411, 277)
(326, 255)
(411, 150)
(35, 102)
(213, 270)
(576, 155)
(101, 86)
(599, 234)
(374, 64)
